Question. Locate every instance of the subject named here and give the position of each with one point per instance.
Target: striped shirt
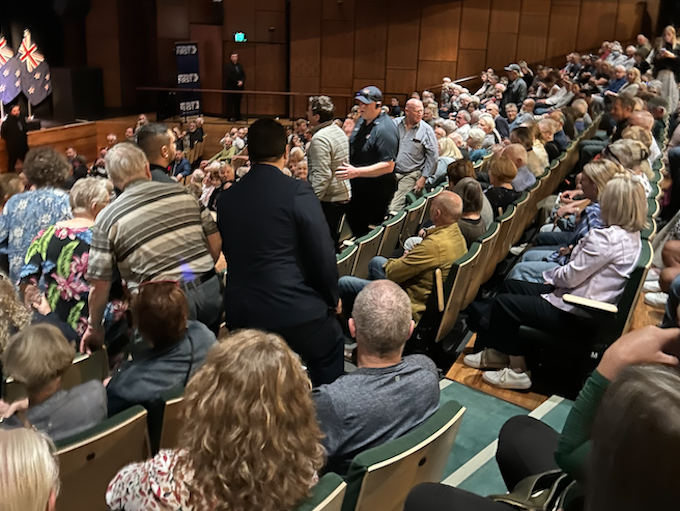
(153, 231)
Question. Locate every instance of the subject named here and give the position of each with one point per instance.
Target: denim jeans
(531, 271)
(205, 302)
(349, 287)
(537, 254)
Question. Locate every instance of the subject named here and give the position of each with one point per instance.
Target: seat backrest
(456, 286)
(88, 461)
(368, 246)
(172, 421)
(393, 227)
(429, 197)
(486, 161)
(631, 293)
(487, 243)
(649, 232)
(518, 223)
(346, 260)
(653, 207)
(327, 494)
(414, 213)
(506, 223)
(83, 369)
(381, 478)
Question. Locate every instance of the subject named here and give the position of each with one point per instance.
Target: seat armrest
(349, 242)
(439, 289)
(587, 303)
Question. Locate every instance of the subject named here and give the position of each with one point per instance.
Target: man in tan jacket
(328, 150)
(414, 270)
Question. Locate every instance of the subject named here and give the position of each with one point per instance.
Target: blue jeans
(349, 287)
(670, 318)
(563, 239)
(205, 302)
(537, 254)
(531, 271)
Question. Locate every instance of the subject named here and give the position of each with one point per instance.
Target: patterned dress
(57, 260)
(24, 216)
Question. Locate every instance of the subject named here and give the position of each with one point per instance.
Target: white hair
(89, 192)
(476, 136)
(489, 120)
(125, 162)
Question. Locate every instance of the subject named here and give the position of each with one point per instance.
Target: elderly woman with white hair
(488, 126)
(58, 257)
(474, 141)
(29, 474)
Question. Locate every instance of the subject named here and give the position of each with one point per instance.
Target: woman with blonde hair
(488, 126)
(598, 269)
(667, 67)
(632, 85)
(29, 472)
(250, 437)
(539, 148)
(448, 149)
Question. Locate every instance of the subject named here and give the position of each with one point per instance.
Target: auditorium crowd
(128, 255)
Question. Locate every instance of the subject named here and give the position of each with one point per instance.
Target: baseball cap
(515, 68)
(370, 94)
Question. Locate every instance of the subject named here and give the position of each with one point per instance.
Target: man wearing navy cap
(373, 146)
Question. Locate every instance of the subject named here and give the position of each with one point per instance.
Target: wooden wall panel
(337, 53)
(400, 81)
(210, 59)
(501, 50)
(470, 62)
(561, 32)
(430, 73)
(403, 32)
(474, 25)
(270, 5)
(270, 27)
(270, 74)
(334, 10)
(203, 12)
(536, 7)
(172, 19)
(305, 51)
(439, 27)
(360, 83)
(239, 16)
(505, 16)
(533, 37)
(597, 22)
(103, 48)
(370, 42)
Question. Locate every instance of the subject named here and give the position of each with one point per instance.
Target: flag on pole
(35, 73)
(10, 73)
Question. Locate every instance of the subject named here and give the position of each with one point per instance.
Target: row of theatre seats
(379, 478)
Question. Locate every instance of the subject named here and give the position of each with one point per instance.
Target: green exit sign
(240, 37)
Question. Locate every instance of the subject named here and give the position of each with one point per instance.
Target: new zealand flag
(35, 73)
(10, 73)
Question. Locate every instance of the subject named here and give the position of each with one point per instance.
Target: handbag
(542, 492)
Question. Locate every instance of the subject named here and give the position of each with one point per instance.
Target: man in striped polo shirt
(152, 231)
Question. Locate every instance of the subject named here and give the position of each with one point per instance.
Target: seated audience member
(586, 209)
(387, 396)
(176, 347)
(58, 258)
(10, 184)
(227, 179)
(29, 473)
(502, 172)
(180, 166)
(440, 248)
(501, 123)
(211, 182)
(488, 126)
(522, 136)
(512, 116)
(538, 147)
(447, 149)
(37, 357)
(632, 156)
(229, 150)
(471, 224)
(251, 386)
(548, 129)
(463, 122)
(461, 169)
(560, 137)
(645, 120)
(301, 170)
(621, 112)
(27, 213)
(583, 120)
(475, 140)
(525, 178)
(613, 425)
(598, 269)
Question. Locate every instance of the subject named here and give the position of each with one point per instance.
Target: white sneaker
(517, 250)
(657, 300)
(651, 286)
(488, 358)
(653, 274)
(508, 379)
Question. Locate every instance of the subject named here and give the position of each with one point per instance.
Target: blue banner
(188, 78)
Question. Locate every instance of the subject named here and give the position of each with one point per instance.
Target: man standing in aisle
(236, 78)
(373, 145)
(14, 135)
(418, 153)
(328, 150)
(517, 88)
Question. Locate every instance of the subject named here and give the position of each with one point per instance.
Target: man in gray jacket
(328, 150)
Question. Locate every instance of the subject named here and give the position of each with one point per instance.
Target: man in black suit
(282, 267)
(14, 135)
(236, 77)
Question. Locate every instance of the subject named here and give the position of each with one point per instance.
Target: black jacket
(233, 74)
(14, 135)
(281, 259)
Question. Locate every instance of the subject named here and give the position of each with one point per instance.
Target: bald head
(446, 209)
(517, 154)
(413, 111)
(528, 106)
(492, 108)
(642, 118)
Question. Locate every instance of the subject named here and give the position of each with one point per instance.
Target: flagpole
(30, 115)
(2, 110)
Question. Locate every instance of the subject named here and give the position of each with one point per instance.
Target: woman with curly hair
(250, 438)
(26, 214)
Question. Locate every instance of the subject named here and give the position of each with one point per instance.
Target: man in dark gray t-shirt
(388, 395)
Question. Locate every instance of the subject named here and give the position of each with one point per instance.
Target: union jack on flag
(28, 53)
(6, 52)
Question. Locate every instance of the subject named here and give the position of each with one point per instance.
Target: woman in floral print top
(59, 255)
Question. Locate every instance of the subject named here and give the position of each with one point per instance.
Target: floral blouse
(59, 255)
(24, 216)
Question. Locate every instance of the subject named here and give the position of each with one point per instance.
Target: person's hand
(9, 409)
(41, 305)
(338, 307)
(420, 184)
(346, 171)
(566, 210)
(566, 250)
(406, 252)
(649, 345)
(570, 195)
(239, 83)
(93, 339)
